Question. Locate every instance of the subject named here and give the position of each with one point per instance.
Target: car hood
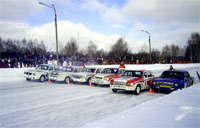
(103, 75)
(166, 79)
(36, 70)
(124, 78)
(82, 73)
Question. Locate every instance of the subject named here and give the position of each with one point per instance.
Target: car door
(186, 79)
(148, 77)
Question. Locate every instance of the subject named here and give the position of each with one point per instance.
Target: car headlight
(106, 79)
(129, 84)
(175, 84)
(60, 75)
(154, 82)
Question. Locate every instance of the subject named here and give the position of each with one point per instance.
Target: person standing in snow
(171, 67)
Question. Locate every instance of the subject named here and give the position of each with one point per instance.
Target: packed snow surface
(56, 105)
(180, 109)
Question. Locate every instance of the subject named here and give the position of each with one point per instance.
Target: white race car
(132, 80)
(85, 75)
(106, 75)
(64, 74)
(41, 72)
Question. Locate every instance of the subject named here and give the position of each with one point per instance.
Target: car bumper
(100, 82)
(32, 77)
(165, 87)
(79, 80)
(123, 87)
(56, 78)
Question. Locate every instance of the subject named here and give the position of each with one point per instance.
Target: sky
(102, 21)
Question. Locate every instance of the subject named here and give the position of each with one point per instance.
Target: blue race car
(171, 80)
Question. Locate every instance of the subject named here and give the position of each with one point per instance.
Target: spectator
(171, 67)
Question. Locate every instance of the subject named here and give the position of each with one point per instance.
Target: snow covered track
(35, 104)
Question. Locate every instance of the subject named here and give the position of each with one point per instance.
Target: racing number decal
(148, 82)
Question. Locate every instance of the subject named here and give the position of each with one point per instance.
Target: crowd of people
(16, 60)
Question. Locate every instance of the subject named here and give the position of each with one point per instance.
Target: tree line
(121, 52)
(33, 52)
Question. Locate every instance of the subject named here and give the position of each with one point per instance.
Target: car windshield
(77, 69)
(110, 71)
(67, 69)
(168, 74)
(133, 73)
(92, 70)
(42, 67)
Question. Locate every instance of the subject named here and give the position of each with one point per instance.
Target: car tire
(67, 79)
(191, 82)
(114, 90)
(137, 90)
(52, 80)
(88, 81)
(28, 79)
(155, 90)
(42, 78)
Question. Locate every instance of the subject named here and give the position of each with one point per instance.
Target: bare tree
(155, 55)
(71, 49)
(175, 51)
(91, 49)
(166, 53)
(119, 50)
(192, 49)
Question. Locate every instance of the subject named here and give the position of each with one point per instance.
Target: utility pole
(150, 58)
(56, 31)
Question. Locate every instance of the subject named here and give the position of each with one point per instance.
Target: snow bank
(7, 74)
(151, 67)
(179, 109)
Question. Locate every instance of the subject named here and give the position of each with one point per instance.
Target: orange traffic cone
(68, 82)
(90, 84)
(150, 91)
(49, 78)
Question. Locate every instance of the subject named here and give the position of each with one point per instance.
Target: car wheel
(155, 90)
(52, 80)
(191, 82)
(88, 81)
(28, 79)
(42, 78)
(137, 90)
(114, 90)
(67, 79)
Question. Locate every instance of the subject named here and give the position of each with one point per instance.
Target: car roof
(182, 71)
(136, 70)
(68, 67)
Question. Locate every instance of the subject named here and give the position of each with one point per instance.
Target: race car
(41, 72)
(106, 75)
(85, 75)
(64, 74)
(171, 80)
(132, 80)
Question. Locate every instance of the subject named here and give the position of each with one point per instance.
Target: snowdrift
(180, 109)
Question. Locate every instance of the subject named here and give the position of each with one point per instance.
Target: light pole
(149, 44)
(53, 7)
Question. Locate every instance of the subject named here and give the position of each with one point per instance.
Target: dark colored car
(171, 80)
